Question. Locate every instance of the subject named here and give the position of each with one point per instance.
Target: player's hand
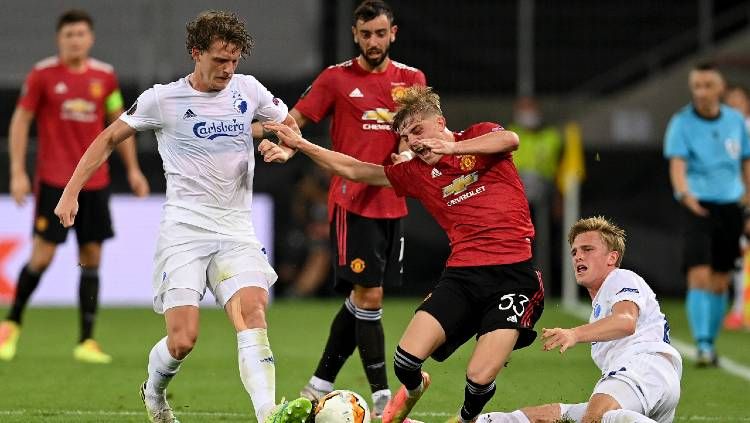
(401, 157)
(138, 183)
(439, 146)
(20, 186)
(558, 337)
(287, 135)
(66, 210)
(273, 152)
(694, 206)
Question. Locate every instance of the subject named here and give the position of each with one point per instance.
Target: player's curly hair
(214, 25)
(415, 101)
(613, 235)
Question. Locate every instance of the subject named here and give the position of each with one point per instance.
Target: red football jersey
(477, 199)
(69, 109)
(362, 104)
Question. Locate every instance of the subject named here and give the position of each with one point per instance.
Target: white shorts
(189, 257)
(646, 383)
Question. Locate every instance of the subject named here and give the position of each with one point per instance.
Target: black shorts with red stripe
(471, 301)
(367, 252)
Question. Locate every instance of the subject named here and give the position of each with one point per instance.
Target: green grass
(44, 384)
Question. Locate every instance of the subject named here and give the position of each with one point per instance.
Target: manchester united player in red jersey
(69, 95)
(365, 221)
(468, 183)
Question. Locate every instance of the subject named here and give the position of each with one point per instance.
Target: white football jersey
(651, 330)
(205, 142)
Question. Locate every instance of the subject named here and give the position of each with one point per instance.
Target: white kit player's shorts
(647, 383)
(191, 258)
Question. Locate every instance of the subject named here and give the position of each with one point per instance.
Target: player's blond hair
(613, 235)
(415, 101)
(213, 25)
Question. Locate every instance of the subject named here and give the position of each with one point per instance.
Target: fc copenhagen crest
(468, 162)
(357, 265)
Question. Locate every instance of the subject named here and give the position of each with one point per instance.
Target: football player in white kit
(629, 338)
(206, 240)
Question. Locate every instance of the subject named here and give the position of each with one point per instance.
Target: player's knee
(254, 315)
(480, 376)
(180, 344)
(368, 298)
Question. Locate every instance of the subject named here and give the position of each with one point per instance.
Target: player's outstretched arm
(97, 153)
(490, 143)
(340, 164)
(619, 324)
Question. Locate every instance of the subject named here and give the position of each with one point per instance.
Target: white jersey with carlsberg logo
(651, 331)
(205, 142)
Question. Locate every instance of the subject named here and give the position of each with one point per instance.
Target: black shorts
(92, 224)
(367, 252)
(472, 301)
(713, 240)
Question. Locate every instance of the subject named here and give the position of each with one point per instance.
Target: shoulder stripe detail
(403, 66)
(345, 64)
(100, 66)
(47, 62)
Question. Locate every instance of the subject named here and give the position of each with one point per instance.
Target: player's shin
(257, 370)
(476, 397)
(161, 368)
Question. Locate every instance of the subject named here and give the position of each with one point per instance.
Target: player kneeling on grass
(468, 183)
(629, 338)
(206, 239)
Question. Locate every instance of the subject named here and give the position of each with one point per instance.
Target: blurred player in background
(629, 338)
(738, 97)
(365, 221)
(206, 239)
(70, 96)
(708, 149)
(467, 181)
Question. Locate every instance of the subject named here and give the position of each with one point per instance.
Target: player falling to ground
(629, 338)
(489, 290)
(708, 149)
(206, 239)
(365, 221)
(69, 96)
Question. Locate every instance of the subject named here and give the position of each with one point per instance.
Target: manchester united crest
(468, 162)
(357, 265)
(96, 89)
(397, 92)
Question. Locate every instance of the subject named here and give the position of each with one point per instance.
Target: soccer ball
(342, 407)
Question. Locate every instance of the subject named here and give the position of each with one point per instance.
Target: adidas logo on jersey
(189, 114)
(436, 173)
(356, 93)
(513, 319)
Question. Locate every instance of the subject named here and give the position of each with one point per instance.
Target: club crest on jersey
(357, 265)
(397, 92)
(240, 105)
(467, 162)
(597, 310)
(460, 184)
(215, 129)
(96, 89)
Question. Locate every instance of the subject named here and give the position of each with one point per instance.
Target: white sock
(320, 384)
(574, 411)
(161, 368)
(617, 416)
(257, 370)
(514, 417)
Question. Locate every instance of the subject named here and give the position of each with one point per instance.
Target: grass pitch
(45, 384)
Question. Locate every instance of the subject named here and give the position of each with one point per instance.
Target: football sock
(257, 369)
(408, 370)
(614, 416)
(27, 283)
(476, 397)
(574, 411)
(320, 384)
(499, 417)
(161, 368)
(88, 300)
(699, 316)
(340, 345)
(371, 345)
(719, 303)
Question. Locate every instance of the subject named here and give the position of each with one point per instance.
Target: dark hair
(706, 65)
(74, 16)
(213, 25)
(371, 9)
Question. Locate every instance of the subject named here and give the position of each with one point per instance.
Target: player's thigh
(490, 354)
(180, 262)
(94, 220)
(238, 265)
(422, 336)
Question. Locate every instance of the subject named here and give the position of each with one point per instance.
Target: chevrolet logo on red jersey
(460, 184)
(379, 115)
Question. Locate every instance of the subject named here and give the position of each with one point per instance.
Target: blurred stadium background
(616, 69)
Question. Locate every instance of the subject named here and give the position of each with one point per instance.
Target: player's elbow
(627, 325)
(512, 140)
